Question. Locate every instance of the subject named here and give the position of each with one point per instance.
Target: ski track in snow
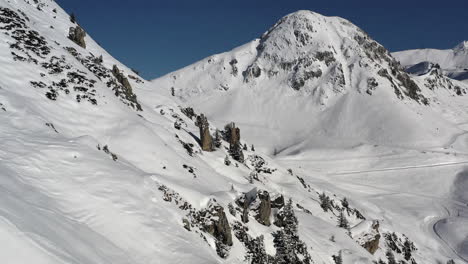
(399, 168)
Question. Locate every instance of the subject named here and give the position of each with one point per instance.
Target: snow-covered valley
(336, 155)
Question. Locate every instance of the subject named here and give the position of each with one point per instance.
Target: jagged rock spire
(206, 141)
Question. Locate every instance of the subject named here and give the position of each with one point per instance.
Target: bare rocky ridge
(77, 35)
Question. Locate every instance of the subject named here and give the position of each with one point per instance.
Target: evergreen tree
(337, 258)
(289, 248)
(345, 203)
(227, 161)
(236, 152)
(408, 248)
(390, 257)
(325, 202)
(245, 147)
(217, 139)
(342, 221)
(257, 252)
(172, 91)
(252, 148)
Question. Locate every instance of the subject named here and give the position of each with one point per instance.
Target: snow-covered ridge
(454, 62)
(100, 166)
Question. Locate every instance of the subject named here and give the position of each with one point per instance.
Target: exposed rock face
(244, 203)
(125, 88)
(206, 140)
(277, 202)
(258, 202)
(367, 235)
(77, 35)
(233, 134)
(264, 208)
(121, 78)
(218, 225)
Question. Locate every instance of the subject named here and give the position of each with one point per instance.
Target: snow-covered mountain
(453, 62)
(98, 165)
(312, 81)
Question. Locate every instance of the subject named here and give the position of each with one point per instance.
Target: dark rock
(277, 202)
(264, 208)
(372, 244)
(206, 141)
(218, 225)
(232, 135)
(121, 78)
(77, 35)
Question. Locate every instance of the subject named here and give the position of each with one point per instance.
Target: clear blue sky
(157, 37)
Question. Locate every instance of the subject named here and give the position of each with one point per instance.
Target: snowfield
(344, 157)
(454, 61)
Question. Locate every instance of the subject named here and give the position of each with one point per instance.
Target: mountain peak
(462, 47)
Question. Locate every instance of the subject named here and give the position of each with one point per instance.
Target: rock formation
(124, 88)
(232, 134)
(218, 225)
(367, 235)
(259, 203)
(122, 79)
(77, 35)
(206, 141)
(264, 208)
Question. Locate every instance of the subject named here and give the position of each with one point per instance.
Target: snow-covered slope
(454, 62)
(312, 81)
(99, 166)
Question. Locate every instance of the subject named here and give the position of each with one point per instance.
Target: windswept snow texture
(454, 62)
(100, 166)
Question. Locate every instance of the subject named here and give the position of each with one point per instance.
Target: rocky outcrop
(123, 87)
(367, 235)
(216, 224)
(232, 134)
(121, 78)
(206, 140)
(259, 203)
(277, 202)
(77, 35)
(263, 210)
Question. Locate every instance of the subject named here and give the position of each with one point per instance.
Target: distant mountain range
(453, 62)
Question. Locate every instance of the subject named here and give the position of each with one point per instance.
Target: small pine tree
(172, 91)
(390, 257)
(73, 18)
(252, 148)
(345, 203)
(231, 209)
(338, 258)
(342, 221)
(325, 202)
(217, 139)
(245, 147)
(227, 161)
(408, 248)
(257, 252)
(236, 152)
